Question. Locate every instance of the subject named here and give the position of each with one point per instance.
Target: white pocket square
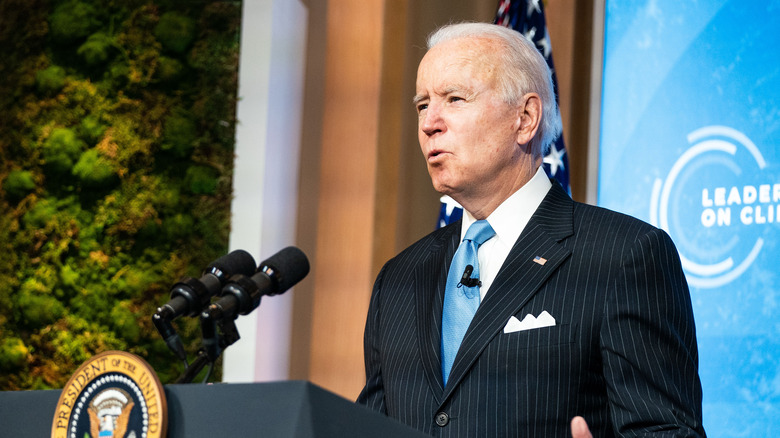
(529, 322)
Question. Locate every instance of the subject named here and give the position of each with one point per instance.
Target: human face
(468, 134)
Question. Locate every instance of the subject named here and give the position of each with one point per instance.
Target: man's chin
(440, 182)
(447, 191)
(443, 189)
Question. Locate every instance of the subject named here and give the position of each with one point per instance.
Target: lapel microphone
(466, 279)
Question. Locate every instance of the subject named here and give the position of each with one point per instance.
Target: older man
(533, 310)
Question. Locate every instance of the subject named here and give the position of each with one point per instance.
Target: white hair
(524, 71)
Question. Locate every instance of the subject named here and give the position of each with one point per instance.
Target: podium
(294, 409)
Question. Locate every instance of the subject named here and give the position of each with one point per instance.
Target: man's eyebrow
(449, 90)
(452, 89)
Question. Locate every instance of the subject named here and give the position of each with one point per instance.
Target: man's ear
(529, 117)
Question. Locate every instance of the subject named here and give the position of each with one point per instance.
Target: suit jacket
(622, 354)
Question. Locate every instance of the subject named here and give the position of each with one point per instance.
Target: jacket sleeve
(373, 394)
(648, 344)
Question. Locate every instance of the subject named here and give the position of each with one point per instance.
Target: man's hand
(579, 428)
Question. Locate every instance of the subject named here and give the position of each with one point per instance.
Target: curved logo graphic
(715, 205)
(113, 395)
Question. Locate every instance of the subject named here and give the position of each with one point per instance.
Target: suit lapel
(519, 279)
(431, 275)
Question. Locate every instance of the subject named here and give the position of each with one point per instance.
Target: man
(571, 311)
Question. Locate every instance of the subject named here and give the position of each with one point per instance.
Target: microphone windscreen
(290, 265)
(236, 262)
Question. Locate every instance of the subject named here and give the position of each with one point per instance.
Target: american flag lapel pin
(540, 260)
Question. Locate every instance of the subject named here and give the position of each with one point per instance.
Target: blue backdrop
(690, 141)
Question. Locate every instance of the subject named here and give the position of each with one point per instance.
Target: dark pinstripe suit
(622, 354)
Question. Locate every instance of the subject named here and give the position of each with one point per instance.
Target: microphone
(189, 296)
(242, 294)
(466, 279)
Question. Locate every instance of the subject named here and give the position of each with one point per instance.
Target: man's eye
(455, 98)
(421, 107)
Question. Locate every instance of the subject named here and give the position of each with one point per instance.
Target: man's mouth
(434, 154)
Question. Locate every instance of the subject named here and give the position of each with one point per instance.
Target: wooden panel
(393, 104)
(309, 185)
(342, 267)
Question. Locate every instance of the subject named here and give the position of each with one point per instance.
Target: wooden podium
(280, 409)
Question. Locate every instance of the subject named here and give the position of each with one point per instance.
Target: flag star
(530, 34)
(544, 44)
(533, 5)
(555, 159)
(450, 204)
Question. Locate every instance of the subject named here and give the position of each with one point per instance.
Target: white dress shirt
(508, 221)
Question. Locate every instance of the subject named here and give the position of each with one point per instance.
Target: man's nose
(431, 121)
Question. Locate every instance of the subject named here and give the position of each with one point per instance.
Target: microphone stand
(197, 365)
(162, 321)
(213, 343)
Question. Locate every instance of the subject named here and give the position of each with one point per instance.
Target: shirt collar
(511, 217)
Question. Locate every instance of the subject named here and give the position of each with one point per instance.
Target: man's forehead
(468, 49)
(453, 67)
(464, 52)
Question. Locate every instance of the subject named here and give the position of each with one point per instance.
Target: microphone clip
(466, 279)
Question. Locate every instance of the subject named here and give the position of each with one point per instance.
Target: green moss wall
(117, 127)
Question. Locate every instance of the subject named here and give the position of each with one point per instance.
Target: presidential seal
(113, 395)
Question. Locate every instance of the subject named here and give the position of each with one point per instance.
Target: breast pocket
(540, 337)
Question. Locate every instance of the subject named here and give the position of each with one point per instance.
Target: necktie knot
(479, 232)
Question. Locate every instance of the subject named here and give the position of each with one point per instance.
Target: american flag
(526, 17)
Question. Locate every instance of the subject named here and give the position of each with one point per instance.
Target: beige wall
(365, 193)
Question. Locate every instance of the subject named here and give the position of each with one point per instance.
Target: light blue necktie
(460, 300)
